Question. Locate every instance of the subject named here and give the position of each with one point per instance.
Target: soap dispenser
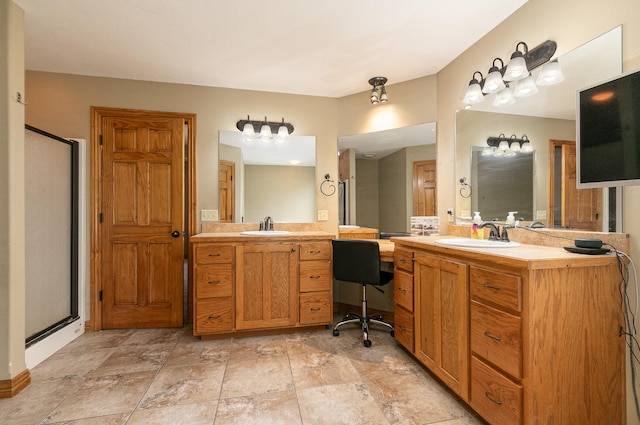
(476, 231)
(476, 218)
(511, 219)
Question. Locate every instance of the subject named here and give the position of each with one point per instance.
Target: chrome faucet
(267, 224)
(495, 234)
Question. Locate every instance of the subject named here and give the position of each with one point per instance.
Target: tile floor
(160, 376)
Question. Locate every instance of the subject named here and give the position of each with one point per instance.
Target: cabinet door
(266, 286)
(442, 317)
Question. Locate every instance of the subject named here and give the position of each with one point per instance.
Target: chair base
(364, 324)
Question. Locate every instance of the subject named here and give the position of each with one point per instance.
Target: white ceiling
(321, 48)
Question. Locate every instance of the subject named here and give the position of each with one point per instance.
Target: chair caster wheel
(393, 333)
(336, 332)
(367, 343)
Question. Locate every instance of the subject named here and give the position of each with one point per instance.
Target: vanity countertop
(525, 256)
(239, 237)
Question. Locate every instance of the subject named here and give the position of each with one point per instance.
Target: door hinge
(100, 140)
(100, 295)
(100, 217)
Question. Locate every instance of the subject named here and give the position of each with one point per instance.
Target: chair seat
(358, 261)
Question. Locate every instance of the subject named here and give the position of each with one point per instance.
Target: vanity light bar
(257, 125)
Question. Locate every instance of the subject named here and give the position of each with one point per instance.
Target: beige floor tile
(251, 377)
(96, 340)
(319, 368)
(256, 348)
(72, 363)
(279, 408)
(103, 395)
(120, 419)
(397, 398)
(184, 414)
(191, 351)
(348, 404)
(184, 385)
(135, 358)
(154, 336)
(382, 361)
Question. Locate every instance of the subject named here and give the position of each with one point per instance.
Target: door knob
(175, 234)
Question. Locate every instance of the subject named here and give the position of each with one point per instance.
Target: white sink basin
(265, 232)
(348, 226)
(476, 243)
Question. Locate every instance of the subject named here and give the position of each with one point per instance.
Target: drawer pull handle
(487, 334)
(317, 251)
(315, 309)
(486, 285)
(487, 395)
(216, 317)
(315, 276)
(214, 282)
(214, 255)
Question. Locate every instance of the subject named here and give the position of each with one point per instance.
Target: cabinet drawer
(315, 276)
(214, 281)
(315, 308)
(211, 253)
(403, 289)
(497, 337)
(496, 398)
(403, 328)
(497, 288)
(213, 315)
(315, 251)
(403, 259)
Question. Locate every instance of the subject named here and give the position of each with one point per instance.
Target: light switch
(541, 215)
(323, 215)
(209, 215)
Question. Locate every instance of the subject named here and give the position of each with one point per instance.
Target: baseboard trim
(11, 387)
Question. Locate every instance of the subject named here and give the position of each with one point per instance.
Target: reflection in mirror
(260, 179)
(377, 174)
(514, 194)
(546, 117)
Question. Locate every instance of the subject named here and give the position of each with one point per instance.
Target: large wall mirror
(259, 179)
(377, 173)
(548, 121)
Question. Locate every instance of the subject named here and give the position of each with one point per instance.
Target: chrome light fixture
(507, 147)
(504, 81)
(474, 91)
(378, 83)
(494, 82)
(551, 73)
(266, 129)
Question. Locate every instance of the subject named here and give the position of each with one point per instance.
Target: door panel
(227, 191)
(424, 188)
(142, 205)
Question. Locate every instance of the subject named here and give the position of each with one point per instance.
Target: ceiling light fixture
(378, 83)
(504, 81)
(266, 129)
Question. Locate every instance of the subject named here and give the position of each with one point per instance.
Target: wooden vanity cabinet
(527, 338)
(441, 320)
(248, 284)
(403, 298)
(266, 285)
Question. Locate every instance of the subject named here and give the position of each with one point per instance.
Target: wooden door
(442, 317)
(142, 221)
(579, 208)
(227, 191)
(424, 188)
(266, 285)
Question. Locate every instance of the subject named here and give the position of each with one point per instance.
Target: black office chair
(358, 261)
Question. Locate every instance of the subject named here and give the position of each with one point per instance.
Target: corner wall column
(14, 375)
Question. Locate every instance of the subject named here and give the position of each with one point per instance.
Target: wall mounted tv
(608, 133)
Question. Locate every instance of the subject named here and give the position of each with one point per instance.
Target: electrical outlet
(323, 215)
(450, 216)
(541, 215)
(209, 215)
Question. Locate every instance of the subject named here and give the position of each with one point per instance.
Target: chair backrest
(357, 261)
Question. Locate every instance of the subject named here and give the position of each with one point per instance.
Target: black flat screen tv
(608, 133)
